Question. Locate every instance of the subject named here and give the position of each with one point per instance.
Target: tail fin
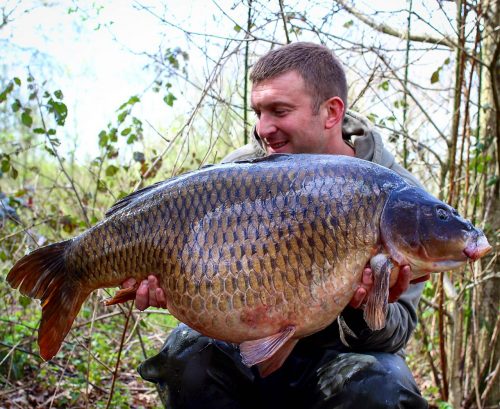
(43, 274)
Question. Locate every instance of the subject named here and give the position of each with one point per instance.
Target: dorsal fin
(125, 201)
(275, 157)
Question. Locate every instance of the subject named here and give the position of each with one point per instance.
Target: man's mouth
(276, 145)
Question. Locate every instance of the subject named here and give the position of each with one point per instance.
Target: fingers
(160, 298)
(363, 290)
(401, 285)
(358, 298)
(142, 296)
(150, 294)
(152, 283)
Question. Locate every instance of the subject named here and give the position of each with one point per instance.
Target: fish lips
(477, 248)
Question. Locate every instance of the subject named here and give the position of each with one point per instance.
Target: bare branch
(384, 28)
(284, 22)
(441, 134)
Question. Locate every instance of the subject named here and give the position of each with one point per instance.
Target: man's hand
(149, 293)
(400, 286)
(363, 290)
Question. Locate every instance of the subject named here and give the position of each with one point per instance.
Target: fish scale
(258, 253)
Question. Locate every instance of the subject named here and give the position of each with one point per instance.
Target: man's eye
(280, 112)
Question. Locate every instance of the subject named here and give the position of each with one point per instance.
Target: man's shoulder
(246, 152)
(368, 145)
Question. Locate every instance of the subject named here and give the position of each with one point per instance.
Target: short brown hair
(322, 72)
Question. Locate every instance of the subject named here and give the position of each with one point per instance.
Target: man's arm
(401, 321)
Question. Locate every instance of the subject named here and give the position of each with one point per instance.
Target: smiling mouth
(276, 145)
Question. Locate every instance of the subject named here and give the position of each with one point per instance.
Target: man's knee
(379, 380)
(196, 371)
(182, 349)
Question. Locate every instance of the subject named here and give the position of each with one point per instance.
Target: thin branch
(283, 17)
(59, 160)
(384, 28)
(417, 102)
(117, 365)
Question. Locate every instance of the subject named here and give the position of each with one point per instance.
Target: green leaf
(58, 94)
(60, 111)
(5, 165)
(131, 139)
(348, 24)
(50, 150)
(24, 301)
(16, 105)
(112, 135)
(111, 170)
(51, 132)
(8, 89)
(126, 131)
(169, 99)
(384, 85)
(103, 139)
(17, 81)
(26, 119)
(131, 101)
(121, 116)
(13, 172)
(435, 76)
(39, 130)
(101, 186)
(237, 28)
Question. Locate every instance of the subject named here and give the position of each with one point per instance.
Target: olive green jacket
(351, 330)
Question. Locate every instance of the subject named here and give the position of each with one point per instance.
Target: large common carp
(258, 253)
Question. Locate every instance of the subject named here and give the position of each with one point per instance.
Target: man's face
(286, 122)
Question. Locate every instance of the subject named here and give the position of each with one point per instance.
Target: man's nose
(266, 126)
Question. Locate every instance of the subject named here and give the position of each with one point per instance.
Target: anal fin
(269, 352)
(123, 295)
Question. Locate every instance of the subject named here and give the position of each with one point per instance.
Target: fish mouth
(478, 248)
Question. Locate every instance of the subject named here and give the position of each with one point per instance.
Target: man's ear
(334, 111)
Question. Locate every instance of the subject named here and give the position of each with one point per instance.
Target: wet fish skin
(235, 248)
(243, 251)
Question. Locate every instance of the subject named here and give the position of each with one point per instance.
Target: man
(299, 95)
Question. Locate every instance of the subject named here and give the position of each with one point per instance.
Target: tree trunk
(489, 293)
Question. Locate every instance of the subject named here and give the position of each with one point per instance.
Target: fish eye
(442, 213)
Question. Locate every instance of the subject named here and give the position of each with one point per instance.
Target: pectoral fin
(269, 352)
(376, 306)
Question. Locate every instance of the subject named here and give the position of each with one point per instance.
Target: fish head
(429, 235)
